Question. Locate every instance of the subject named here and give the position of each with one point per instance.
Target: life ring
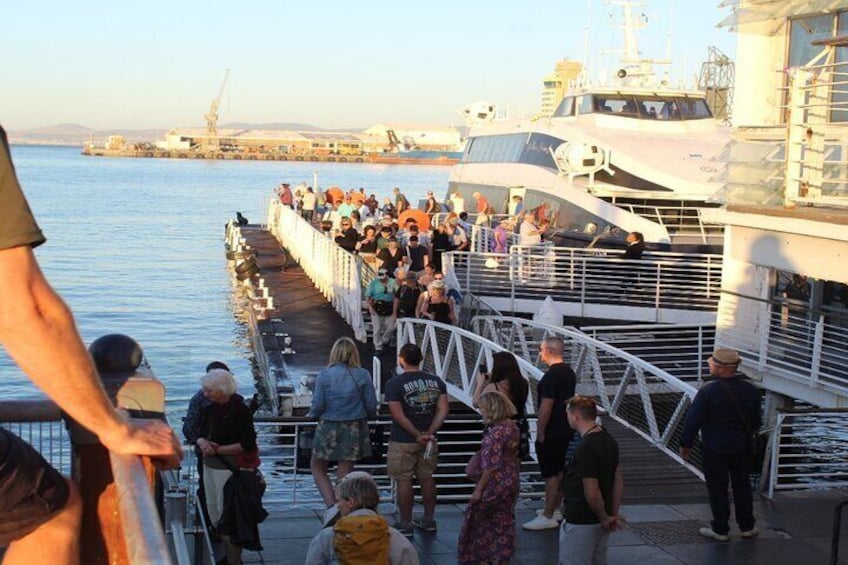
(343, 159)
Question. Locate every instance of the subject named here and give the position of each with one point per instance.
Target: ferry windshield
(640, 107)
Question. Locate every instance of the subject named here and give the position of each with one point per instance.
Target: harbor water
(135, 246)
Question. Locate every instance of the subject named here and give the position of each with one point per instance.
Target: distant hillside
(76, 134)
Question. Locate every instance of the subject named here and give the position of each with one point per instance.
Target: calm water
(135, 246)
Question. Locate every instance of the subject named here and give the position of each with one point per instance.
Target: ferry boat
(631, 154)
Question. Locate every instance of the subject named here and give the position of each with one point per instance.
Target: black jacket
(243, 510)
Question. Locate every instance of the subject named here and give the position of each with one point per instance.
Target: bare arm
(39, 333)
(442, 411)
(546, 406)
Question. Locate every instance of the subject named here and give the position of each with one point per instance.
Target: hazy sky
(324, 62)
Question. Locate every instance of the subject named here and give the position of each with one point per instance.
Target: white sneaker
(708, 532)
(753, 532)
(540, 523)
(557, 514)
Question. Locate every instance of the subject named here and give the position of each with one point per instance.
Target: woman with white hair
(343, 400)
(226, 432)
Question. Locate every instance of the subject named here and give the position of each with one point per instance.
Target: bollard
(133, 388)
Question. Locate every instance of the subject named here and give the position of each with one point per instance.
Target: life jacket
(362, 540)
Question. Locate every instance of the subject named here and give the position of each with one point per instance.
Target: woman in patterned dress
(488, 531)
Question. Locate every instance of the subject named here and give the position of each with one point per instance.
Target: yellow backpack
(362, 540)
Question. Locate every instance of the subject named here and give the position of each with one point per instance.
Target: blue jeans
(717, 468)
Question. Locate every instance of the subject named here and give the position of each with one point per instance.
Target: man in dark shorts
(418, 402)
(553, 434)
(593, 487)
(40, 511)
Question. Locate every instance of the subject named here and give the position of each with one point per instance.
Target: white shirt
(309, 200)
(524, 235)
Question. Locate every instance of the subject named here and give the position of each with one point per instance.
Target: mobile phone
(483, 369)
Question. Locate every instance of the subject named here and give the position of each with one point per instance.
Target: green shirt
(17, 224)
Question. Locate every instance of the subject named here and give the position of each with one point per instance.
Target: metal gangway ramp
(645, 405)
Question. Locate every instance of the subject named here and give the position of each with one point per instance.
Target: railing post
(118, 359)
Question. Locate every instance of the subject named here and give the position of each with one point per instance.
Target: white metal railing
(641, 396)
(809, 450)
(679, 349)
(666, 287)
(786, 338)
(817, 96)
(454, 355)
(334, 271)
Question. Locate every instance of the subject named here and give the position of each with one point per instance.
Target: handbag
(248, 459)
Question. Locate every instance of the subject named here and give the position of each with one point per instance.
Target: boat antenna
(586, 31)
(670, 26)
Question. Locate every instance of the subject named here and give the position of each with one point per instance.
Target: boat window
(693, 108)
(533, 149)
(803, 32)
(566, 108)
(586, 104)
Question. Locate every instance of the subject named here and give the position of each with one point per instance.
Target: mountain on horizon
(76, 134)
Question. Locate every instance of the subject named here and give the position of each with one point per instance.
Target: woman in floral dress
(488, 531)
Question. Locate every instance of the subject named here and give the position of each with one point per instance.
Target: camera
(483, 369)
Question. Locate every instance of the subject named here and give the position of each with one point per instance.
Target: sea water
(135, 246)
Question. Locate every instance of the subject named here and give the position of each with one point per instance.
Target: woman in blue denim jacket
(343, 400)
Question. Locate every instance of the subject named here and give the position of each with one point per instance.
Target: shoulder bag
(756, 441)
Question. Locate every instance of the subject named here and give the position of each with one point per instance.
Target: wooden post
(133, 388)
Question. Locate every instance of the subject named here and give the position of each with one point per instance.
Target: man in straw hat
(727, 412)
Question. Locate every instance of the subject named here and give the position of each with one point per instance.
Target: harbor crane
(212, 142)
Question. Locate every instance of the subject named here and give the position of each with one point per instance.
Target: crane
(212, 142)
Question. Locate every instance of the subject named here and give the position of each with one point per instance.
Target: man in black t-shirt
(553, 433)
(592, 488)
(418, 402)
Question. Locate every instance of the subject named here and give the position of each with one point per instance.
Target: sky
(328, 63)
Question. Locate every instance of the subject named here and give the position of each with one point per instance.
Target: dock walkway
(795, 528)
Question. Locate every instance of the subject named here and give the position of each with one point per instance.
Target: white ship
(631, 154)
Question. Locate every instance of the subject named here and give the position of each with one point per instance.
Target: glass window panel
(586, 104)
(802, 33)
(566, 107)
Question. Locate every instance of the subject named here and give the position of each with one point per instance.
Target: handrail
(639, 395)
(145, 540)
(837, 530)
(28, 410)
(334, 271)
(456, 361)
(666, 287)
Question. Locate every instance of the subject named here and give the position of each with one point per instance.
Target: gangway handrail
(145, 539)
(632, 380)
(333, 270)
(578, 336)
(406, 333)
